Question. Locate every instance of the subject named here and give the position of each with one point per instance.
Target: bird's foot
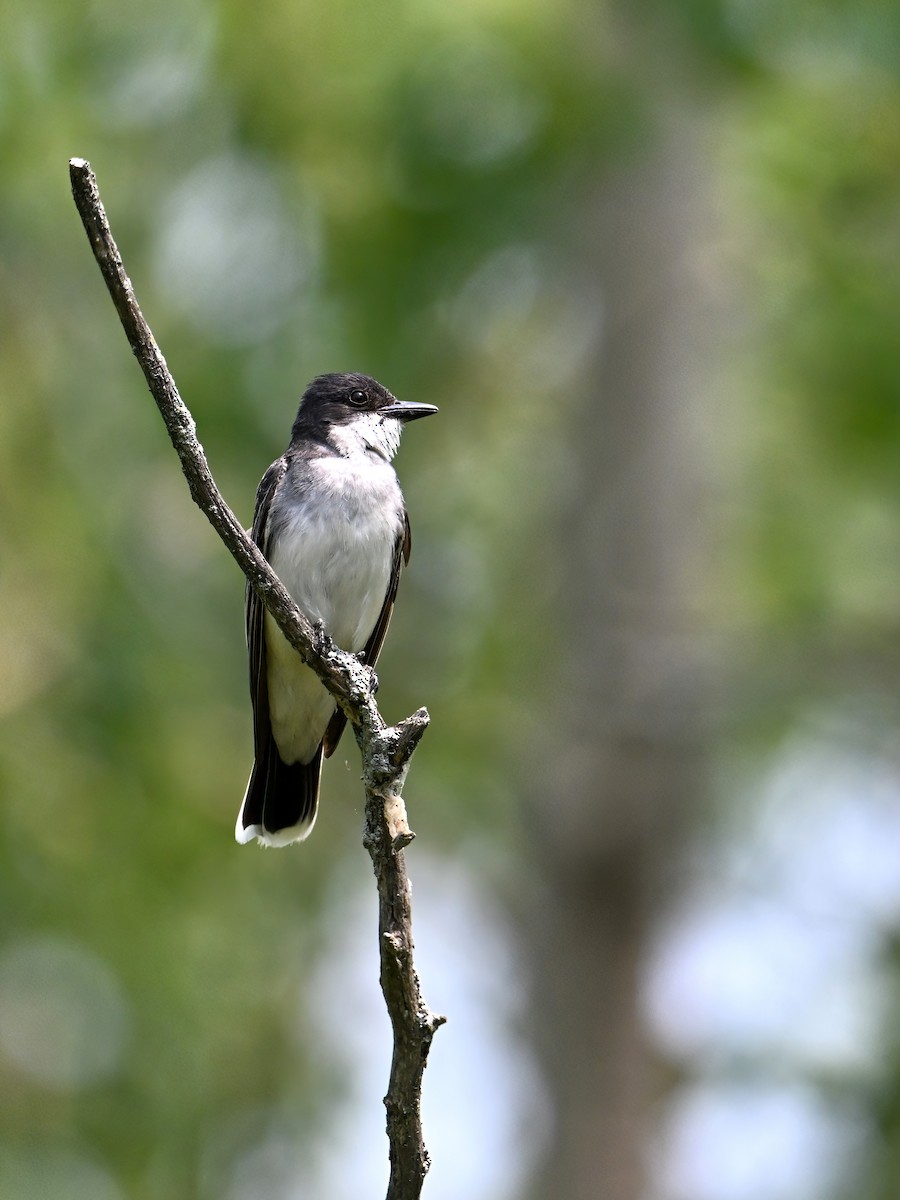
(373, 678)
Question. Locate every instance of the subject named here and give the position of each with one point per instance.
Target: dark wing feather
(372, 648)
(264, 752)
(255, 610)
(279, 795)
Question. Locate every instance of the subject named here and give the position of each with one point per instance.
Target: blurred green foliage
(391, 188)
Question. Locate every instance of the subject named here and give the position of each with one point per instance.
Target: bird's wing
(255, 610)
(372, 648)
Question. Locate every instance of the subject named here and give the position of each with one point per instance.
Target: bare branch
(386, 750)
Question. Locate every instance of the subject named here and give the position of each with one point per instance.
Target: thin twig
(386, 750)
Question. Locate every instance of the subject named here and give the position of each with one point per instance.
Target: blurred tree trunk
(618, 789)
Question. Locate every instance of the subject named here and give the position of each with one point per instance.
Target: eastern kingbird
(331, 520)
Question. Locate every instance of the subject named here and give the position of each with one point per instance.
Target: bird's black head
(346, 398)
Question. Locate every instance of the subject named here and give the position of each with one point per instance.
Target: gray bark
(386, 751)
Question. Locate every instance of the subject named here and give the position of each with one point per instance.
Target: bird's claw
(373, 678)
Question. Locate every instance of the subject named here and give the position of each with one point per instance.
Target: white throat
(367, 433)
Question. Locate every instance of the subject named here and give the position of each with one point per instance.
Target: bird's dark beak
(403, 410)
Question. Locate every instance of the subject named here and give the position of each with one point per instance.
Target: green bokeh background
(400, 189)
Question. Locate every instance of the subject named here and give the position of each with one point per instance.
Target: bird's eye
(358, 398)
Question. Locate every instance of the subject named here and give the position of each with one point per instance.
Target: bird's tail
(281, 800)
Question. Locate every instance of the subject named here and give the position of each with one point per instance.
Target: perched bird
(331, 520)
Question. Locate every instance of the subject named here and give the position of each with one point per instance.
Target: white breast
(335, 558)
